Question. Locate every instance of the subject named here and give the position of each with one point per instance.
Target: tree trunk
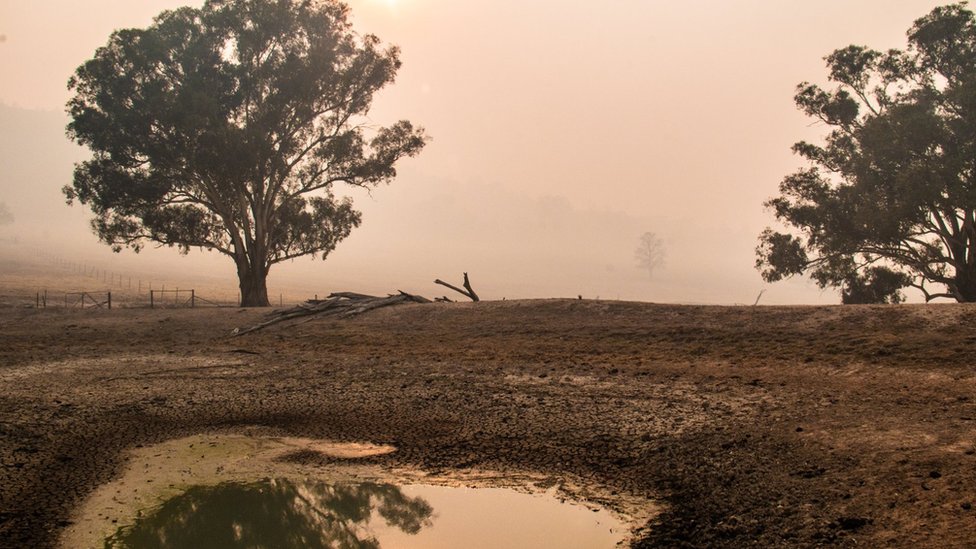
(965, 282)
(254, 287)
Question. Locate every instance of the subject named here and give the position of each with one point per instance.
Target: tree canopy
(888, 200)
(226, 128)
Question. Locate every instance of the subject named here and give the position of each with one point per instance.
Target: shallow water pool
(255, 491)
(281, 513)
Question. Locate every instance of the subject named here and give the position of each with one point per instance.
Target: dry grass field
(744, 426)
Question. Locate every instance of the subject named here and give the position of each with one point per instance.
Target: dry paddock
(763, 426)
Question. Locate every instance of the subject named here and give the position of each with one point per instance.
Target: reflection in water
(275, 513)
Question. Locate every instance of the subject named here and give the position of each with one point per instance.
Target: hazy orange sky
(562, 131)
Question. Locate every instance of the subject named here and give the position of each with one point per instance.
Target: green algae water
(281, 513)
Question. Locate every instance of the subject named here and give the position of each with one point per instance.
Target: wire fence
(183, 298)
(80, 299)
(72, 284)
(105, 299)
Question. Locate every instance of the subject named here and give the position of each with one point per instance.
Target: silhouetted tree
(650, 253)
(889, 200)
(226, 128)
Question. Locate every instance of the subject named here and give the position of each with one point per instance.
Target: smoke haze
(562, 132)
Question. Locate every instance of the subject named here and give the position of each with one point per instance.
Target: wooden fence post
(110, 300)
(152, 304)
(193, 298)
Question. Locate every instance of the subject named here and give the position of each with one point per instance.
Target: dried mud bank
(768, 426)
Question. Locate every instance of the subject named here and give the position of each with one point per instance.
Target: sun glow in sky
(389, 5)
(561, 134)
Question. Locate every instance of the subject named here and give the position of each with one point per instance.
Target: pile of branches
(339, 304)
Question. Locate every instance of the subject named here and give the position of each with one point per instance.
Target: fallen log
(339, 304)
(466, 292)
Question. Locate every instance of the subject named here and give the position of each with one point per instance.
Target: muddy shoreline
(768, 426)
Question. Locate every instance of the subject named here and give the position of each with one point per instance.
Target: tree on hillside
(226, 128)
(649, 253)
(874, 285)
(889, 198)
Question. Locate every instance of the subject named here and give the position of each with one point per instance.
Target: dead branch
(352, 295)
(758, 297)
(467, 292)
(339, 304)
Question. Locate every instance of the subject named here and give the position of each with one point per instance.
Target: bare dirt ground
(762, 426)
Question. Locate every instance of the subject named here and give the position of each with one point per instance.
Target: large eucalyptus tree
(226, 128)
(889, 198)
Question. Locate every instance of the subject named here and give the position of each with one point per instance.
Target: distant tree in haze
(226, 128)
(889, 198)
(6, 217)
(650, 253)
